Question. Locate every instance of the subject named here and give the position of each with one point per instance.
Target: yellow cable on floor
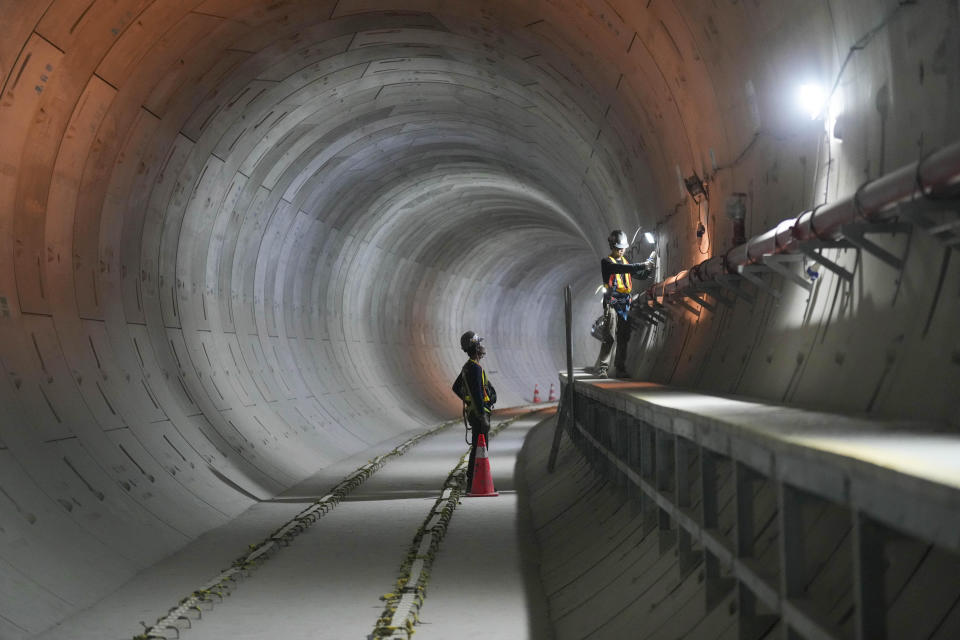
(403, 604)
(223, 583)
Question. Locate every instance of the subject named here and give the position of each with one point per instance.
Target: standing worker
(477, 393)
(618, 285)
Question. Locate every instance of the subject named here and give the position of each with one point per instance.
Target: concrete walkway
(485, 581)
(327, 583)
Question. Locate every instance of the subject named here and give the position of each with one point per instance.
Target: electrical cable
(700, 222)
(813, 215)
(925, 192)
(857, 46)
(740, 156)
(864, 41)
(857, 206)
(860, 44)
(402, 609)
(256, 554)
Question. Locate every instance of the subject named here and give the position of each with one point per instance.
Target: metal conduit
(872, 202)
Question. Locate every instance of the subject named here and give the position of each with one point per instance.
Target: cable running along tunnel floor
(327, 583)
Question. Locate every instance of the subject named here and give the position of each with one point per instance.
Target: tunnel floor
(328, 582)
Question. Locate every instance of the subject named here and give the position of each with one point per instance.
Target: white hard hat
(617, 239)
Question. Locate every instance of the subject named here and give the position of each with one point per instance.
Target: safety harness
(619, 286)
(619, 282)
(468, 403)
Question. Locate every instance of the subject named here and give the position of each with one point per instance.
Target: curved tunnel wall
(884, 343)
(241, 239)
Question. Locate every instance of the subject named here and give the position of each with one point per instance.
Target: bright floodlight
(648, 237)
(811, 98)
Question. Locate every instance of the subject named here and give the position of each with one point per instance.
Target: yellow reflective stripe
(483, 383)
(624, 282)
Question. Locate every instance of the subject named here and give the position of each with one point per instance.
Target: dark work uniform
(479, 396)
(616, 308)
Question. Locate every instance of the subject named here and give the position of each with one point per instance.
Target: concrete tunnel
(241, 239)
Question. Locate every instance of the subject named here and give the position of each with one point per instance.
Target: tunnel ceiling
(241, 238)
(229, 213)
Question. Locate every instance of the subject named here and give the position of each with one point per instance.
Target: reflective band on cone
(482, 480)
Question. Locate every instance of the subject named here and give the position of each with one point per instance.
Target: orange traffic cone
(553, 396)
(536, 393)
(482, 480)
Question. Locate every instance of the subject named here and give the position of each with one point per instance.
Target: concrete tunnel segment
(240, 240)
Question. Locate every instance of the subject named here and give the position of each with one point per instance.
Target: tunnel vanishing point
(240, 239)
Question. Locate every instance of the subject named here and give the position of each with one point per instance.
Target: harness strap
(622, 281)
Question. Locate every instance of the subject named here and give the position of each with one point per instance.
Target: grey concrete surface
(485, 582)
(240, 238)
(743, 512)
(328, 582)
(329, 577)
(605, 574)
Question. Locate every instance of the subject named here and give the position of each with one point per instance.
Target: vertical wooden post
(752, 626)
(665, 474)
(608, 433)
(715, 587)
(687, 559)
(648, 462)
(868, 578)
(634, 492)
(621, 449)
(792, 569)
(589, 422)
(568, 406)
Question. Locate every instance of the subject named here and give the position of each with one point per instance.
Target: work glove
(648, 266)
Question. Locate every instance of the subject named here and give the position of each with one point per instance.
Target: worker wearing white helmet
(618, 283)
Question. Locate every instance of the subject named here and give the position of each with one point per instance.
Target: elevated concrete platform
(816, 524)
(906, 473)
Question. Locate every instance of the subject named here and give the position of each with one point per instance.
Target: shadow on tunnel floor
(541, 626)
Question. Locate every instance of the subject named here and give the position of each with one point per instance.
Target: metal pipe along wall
(239, 239)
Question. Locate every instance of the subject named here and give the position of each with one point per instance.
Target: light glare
(834, 121)
(648, 237)
(811, 98)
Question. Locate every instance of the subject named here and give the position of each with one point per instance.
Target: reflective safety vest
(619, 282)
(486, 394)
